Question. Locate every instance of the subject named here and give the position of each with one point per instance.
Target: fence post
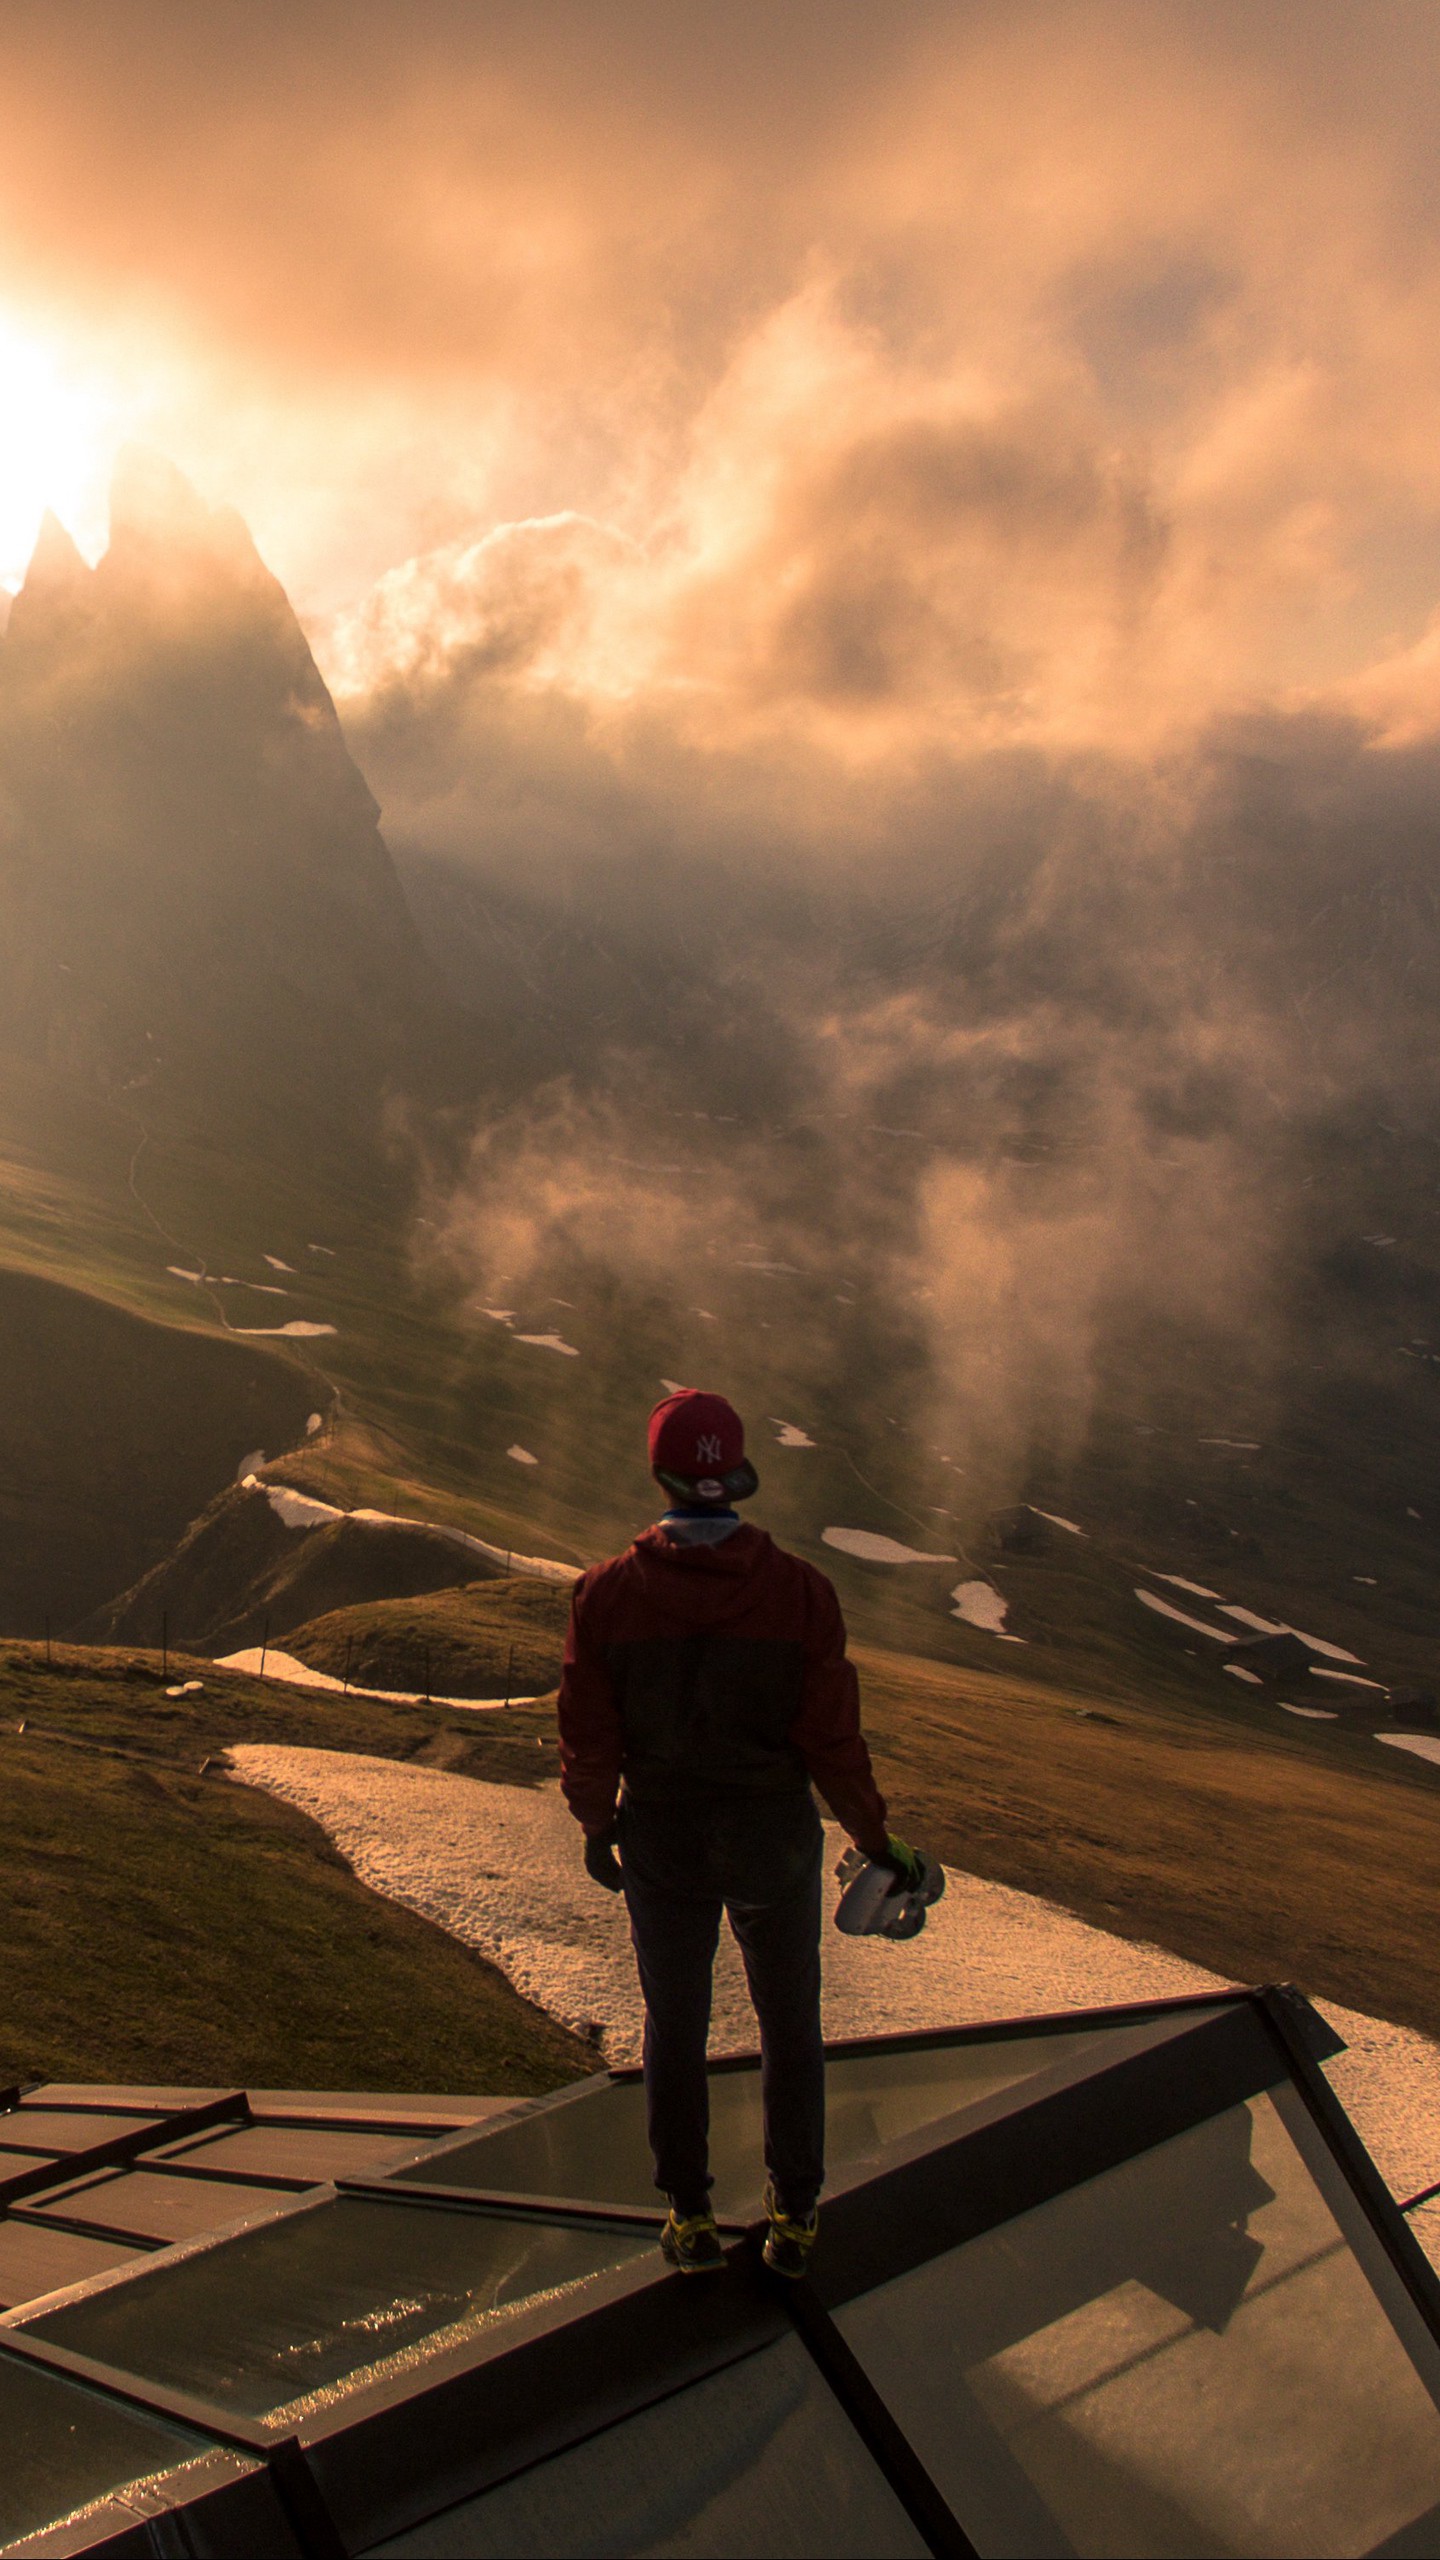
(264, 1647)
(349, 1649)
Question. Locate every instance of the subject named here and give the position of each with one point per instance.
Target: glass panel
(758, 2460)
(594, 2147)
(61, 2129)
(66, 2447)
(34, 2260)
(1181, 2357)
(155, 2207)
(313, 2152)
(285, 2318)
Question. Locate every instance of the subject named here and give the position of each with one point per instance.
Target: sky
(850, 380)
(986, 451)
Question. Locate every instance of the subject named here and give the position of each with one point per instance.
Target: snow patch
(313, 1423)
(875, 1549)
(1167, 1609)
(193, 1276)
(522, 1457)
(298, 1675)
(302, 1511)
(1426, 1746)
(1318, 1715)
(1270, 1627)
(981, 1605)
(297, 1510)
(1057, 1521)
(791, 1435)
(500, 1868)
(252, 1459)
(1197, 1590)
(294, 1327)
(499, 1315)
(1238, 1671)
(550, 1342)
(1229, 1444)
(1347, 1679)
(275, 1262)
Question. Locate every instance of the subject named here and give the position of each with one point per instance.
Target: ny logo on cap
(707, 1450)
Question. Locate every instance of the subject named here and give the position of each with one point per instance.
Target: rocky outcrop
(196, 903)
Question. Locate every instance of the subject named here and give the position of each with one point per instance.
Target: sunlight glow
(59, 424)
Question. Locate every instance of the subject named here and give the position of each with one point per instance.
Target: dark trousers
(758, 1859)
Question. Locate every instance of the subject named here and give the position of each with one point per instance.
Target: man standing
(705, 1686)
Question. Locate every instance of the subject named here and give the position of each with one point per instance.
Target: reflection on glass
(65, 2447)
(66, 2128)
(35, 2260)
(313, 2152)
(758, 2460)
(594, 2147)
(1181, 2357)
(286, 2317)
(155, 2207)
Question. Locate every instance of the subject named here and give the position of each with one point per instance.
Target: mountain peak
(55, 563)
(57, 589)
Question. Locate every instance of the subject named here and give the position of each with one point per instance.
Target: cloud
(386, 276)
(883, 566)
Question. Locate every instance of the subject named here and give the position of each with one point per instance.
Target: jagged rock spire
(55, 562)
(57, 587)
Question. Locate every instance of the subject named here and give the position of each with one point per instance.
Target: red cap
(697, 1442)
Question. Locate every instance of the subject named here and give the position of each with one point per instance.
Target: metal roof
(1119, 2280)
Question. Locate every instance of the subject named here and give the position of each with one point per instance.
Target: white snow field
(877, 1549)
(981, 1605)
(522, 1457)
(791, 1435)
(297, 1325)
(550, 1342)
(500, 1868)
(295, 1674)
(303, 1511)
(1426, 1746)
(1182, 1618)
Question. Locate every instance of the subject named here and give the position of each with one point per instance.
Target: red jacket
(692, 1668)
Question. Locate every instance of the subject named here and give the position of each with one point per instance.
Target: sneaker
(691, 2242)
(789, 2240)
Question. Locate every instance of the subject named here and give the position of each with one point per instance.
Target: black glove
(902, 1861)
(601, 1863)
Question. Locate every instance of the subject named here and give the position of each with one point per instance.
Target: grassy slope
(473, 1642)
(1192, 1818)
(1211, 1829)
(162, 1925)
(1261, 1858)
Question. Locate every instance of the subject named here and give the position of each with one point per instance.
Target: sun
(59, 424)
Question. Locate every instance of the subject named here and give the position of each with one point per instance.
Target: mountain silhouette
(196, 902)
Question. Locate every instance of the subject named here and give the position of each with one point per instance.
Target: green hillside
(164, 1925)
